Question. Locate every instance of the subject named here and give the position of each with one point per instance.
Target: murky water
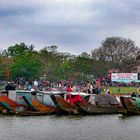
(103, 127)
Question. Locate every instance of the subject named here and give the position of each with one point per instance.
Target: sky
(75, 26)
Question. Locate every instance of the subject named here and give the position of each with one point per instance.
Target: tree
(100, 68)
(83, 64)
(5, 63)
(85, 55)
(116, 50)
(18, 49)
(52, 49)
(52, 61)
(28, 65)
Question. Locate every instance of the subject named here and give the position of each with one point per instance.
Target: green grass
(123, 90)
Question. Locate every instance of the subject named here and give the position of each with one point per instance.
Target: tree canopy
(18, 49)
(116, 50)
(28, 65)
(26, 62)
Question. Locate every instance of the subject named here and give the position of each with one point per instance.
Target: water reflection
(98, 127)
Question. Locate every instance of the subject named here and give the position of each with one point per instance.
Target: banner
(124, 77)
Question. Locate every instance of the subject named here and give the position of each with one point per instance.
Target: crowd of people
(89, 87)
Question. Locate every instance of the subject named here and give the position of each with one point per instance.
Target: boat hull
(100, 104)
(64, 107)
(129, 104)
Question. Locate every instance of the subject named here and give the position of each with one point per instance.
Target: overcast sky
(75, 26)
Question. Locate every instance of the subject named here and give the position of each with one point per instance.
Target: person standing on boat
(89, 88)
(98, 83)
(10, 86)
(29, 86)
(93, 88)
(69, 89)
(35, 85)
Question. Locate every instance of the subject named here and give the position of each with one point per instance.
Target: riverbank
(124, 90)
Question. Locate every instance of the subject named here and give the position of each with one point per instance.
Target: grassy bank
(124, 90)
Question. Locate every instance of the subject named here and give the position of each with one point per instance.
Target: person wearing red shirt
(69, 89)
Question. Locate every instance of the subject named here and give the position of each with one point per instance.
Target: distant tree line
(25, 61)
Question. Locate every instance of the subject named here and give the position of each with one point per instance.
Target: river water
(99, 127)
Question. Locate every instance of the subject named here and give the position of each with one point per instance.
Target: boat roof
(25, 91)
(52, 92)
(79, 93)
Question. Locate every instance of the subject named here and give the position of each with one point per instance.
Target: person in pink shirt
(98, 83)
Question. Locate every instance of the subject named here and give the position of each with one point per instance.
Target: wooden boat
(29, 103)
(42, 96)
(32, 106)
(17, 96)
(32, 113)
(63, 107)
(34, 100)
(100, 104)
(10, 105)
(41, 102)
(1, 108)
(66, 104)
(36, 105)
(131, 104)
(45, 97)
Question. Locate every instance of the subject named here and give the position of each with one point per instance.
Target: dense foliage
(26, 62)
(119, 51)
(27, 65)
